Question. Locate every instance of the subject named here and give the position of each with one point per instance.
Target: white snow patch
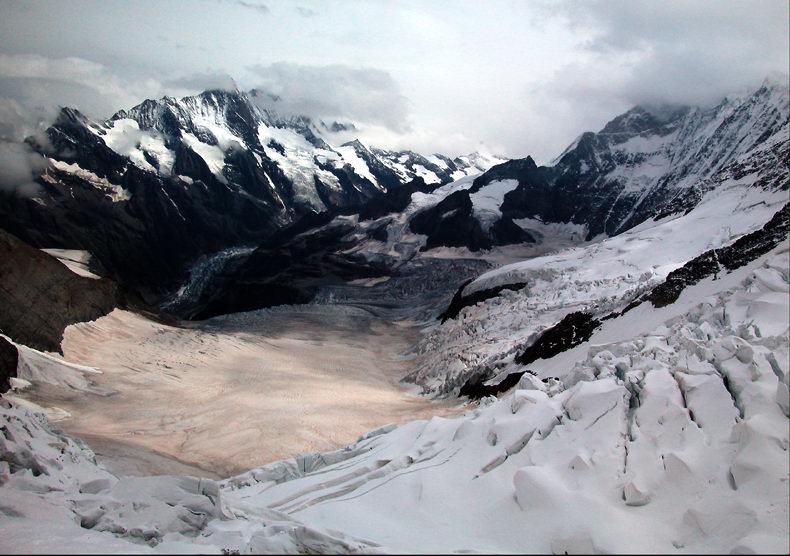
(351, 157)
(487, 201)
(213, 155)
(125, 137)
(115, 192)
(76, 260)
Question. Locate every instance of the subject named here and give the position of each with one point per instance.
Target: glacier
(618, 383)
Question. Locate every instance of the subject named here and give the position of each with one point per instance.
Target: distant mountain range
(156, 186)
(648, 163)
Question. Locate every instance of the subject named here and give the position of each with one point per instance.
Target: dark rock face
(741, 252)
(571, 331)
(411, 160)
(9, 357)
(451, 223)
(147, 219)
(578, 327)
(290, 273)
(147, 240)
(459, 301)
(651, 163)
(689, 274)
(379, 233)
(40, 296)
(475, 389)
(394, 200)
(506, 232)
(337, 127)
(386, 177)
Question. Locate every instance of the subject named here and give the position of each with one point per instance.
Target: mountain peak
(356, 144)
(776, 80)
(636, 120)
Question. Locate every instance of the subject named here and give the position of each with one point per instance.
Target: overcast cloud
(335, 92)
(510, 77)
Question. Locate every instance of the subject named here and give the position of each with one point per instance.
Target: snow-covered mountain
(158, 185)
(217, 124)
(647, 163)
(644, 165)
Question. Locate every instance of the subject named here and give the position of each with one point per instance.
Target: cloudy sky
(510, 77)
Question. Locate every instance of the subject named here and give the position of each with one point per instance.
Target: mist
(506, 77)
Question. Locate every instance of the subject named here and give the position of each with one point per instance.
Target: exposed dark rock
(758, 243)
(159, 223)
(379, 233)
(9, 357)
(451, 223)
(459, 301)
(148, 241)
(276, 146)
(571, 331)
(354, 190)
(40, 296)
(287, 274)
(308, 221)
(337, 127)
(475, 389)
(385, 176)
(743, 251)
(253, 294)
(676, 281)
(576, 328)
(411, 160)
(394, 200)
(589, 183)
(506, 232)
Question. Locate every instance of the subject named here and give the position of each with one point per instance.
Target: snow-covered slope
(646, 163)
(742, 144)
(318, 176)
(667, 432)
(669, 435)
(642, 373)
(506, 309)
(49, 478)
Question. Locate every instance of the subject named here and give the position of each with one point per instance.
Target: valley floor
(220, 397)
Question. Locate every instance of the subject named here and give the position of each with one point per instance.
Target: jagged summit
(641, 119)
(654, 161)
(180, 177)
(196, 174)
(649, 163)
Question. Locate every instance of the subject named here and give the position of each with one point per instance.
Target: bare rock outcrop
(40, 296)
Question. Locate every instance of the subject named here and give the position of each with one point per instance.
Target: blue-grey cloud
(337, 91)
(446, 75)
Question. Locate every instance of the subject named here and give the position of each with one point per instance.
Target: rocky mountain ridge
(155, 187)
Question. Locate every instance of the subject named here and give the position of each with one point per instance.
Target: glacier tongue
(200, 276)
(678, 436)
(667, 431)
